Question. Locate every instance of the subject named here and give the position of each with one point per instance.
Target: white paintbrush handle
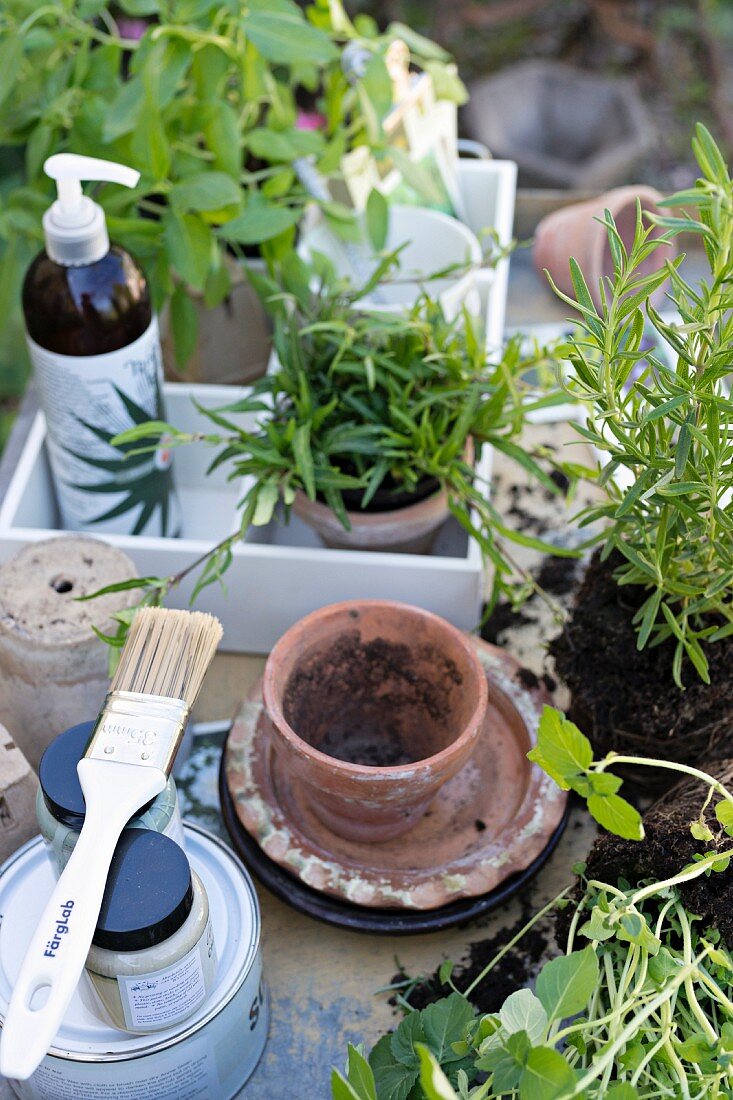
(55, 958)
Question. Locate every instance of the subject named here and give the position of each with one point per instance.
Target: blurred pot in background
(576, 231)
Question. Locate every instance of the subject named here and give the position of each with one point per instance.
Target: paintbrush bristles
(167, 653)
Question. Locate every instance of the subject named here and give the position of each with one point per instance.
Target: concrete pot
(574, 231)
(376, 681)
(234, 338)
(563, 126)
(53, 668)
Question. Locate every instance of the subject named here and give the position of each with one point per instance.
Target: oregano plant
(661, 418)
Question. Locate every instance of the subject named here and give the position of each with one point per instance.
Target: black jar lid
(149, 892)
(58, 777)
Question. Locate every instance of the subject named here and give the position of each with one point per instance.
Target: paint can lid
(59, 779)
(57, 775)
(149, 892)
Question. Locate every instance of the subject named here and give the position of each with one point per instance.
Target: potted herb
(394, 405)
(647, 649)
(638, 1003)
(203, 99)
(366, 418)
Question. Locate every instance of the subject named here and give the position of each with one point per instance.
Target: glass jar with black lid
(60, 805)
(153, 961)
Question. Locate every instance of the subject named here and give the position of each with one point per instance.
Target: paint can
(208, 1057)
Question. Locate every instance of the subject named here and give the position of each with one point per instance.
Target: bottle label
(87, 401)
(153, 1002)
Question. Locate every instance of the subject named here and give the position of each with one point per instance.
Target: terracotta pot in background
(574, 231)
(234, 338)
(374, 706)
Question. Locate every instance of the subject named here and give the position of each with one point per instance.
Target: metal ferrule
(133, 728)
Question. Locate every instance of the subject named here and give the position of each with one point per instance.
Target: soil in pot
(669, 846)
(376, 703)
(388, 498)
(627, 701)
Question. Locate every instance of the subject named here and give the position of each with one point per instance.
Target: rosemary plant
(665, 429)
(639, 1005)
(366, 402)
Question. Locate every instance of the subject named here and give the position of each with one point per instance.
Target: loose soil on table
(514, 971)
(377, 703)
(627, 701)
(667, 848)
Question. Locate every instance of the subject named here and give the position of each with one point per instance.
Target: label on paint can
(151, 1001)
(194, 1077)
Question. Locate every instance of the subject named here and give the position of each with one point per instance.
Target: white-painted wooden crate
(279, 573)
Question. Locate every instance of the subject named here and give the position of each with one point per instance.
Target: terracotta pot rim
(368, 771)
(319, 508)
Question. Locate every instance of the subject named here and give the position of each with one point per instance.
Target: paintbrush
(127, 763)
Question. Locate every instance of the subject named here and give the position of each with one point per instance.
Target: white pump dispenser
(74, 226)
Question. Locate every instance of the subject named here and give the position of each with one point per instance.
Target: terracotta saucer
(492, 820)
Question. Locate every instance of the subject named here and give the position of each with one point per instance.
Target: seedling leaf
(546, 1075)
(561, 749)
(617, 815)
(565, 984)
(434, 1082)
(522, 1011)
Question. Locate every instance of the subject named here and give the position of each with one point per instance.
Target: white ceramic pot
(433, 242)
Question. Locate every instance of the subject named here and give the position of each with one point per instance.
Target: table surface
(324, 981)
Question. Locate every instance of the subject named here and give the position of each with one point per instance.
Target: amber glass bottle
(94, 344)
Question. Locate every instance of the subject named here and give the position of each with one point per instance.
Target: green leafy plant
(204, 103)
(363, 402)
(639, 1005)
(665, 430)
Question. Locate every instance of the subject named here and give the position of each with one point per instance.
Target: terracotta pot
(374, 705)
(573, 231)
(408, 530)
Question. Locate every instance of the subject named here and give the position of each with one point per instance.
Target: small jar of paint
(60, 805)
(153, 961)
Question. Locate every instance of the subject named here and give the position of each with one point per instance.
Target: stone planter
(576, 231)
(234, 338)
(564, 127)
(53, 668)
(374, 705)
